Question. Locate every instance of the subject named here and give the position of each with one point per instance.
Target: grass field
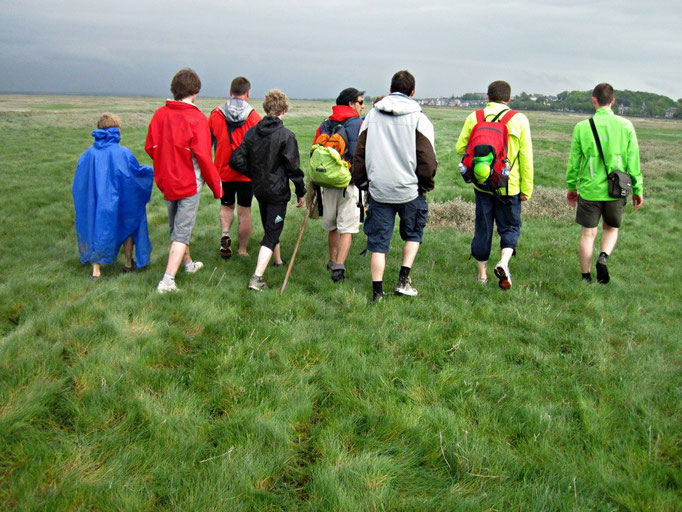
(556, 395)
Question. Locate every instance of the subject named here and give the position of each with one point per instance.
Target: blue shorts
(380, 222)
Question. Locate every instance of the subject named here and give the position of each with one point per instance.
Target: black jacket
(269, 156)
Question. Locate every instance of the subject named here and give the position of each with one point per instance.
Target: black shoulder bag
(620, 183)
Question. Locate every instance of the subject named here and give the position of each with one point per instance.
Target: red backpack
(488, 142)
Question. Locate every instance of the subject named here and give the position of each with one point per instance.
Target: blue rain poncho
(110, 193)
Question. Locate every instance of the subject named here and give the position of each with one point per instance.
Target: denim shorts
(380, 222)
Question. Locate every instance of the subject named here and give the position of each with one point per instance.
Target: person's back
(519, 150)
(397, 132)
(110, 190)
(269, 156)
(229, 123)
(620, 147)
(587, 182)
(395, 160)
(341, 206)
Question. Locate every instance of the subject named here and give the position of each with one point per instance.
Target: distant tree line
(635, 103)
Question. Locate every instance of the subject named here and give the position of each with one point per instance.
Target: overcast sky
(314, 49)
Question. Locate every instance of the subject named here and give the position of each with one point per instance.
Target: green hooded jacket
(586, 172)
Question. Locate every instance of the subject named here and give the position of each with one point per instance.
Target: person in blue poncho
(110, 193)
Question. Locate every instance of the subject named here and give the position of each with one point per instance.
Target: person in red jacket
(179, 142)
(229, 122)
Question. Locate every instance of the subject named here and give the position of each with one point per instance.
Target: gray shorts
(588, 212)
(181, 216)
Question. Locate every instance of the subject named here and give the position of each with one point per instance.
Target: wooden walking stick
(298, 242)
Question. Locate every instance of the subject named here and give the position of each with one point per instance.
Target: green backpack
(327, 166)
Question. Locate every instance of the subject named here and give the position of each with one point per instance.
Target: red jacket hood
(342, 112)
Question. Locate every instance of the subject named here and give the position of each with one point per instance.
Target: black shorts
(272, 216)
(588, 212)
(243, 191)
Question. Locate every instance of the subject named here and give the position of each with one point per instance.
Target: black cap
(348, 95)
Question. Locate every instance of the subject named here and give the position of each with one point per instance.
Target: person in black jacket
(269, 156)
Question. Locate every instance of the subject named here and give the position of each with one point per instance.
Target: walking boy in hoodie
(395, 160)
(229, 122)
(179, 142)
(269, 156)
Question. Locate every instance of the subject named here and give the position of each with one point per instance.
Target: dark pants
(506, 213)
(272, 216)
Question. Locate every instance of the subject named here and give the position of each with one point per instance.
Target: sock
(587, 277)
(377, 287)
(606, 256)
(404, 272)
(168, 279)
(226, 233)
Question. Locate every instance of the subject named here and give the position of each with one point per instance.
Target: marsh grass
(553, 396)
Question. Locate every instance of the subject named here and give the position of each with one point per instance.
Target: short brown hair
(275, 103)
(499, 90)
(185, 83)
(108, 120)
(240, 86)
(603, 93)
(403, 81)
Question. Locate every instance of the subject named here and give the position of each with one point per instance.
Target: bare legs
(378, 261)
(339, 246)
(244, 224)
(179, 253)
(609, 237)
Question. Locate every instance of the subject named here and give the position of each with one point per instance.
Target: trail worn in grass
(555, 395)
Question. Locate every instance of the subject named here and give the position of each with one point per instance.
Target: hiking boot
(193, 267)
(502, 273)
(587, 277)
(162, 287)
(257, 283)
(404, 287)
(603, 269)
(378, 297)
(225, 243)
(338, 275)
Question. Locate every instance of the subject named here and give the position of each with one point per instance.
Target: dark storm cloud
(312, 50)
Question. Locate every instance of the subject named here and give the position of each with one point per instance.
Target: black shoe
(587, 277)
(603, 269)
(279, 264)
(131, 268)
(225, 250)
(378, 297)
(338, 275)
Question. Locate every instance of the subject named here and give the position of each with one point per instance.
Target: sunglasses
(360, 102)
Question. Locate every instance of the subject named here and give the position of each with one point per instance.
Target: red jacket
(178, 132)
(223, 149)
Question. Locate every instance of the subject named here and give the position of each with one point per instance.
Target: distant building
(670, 113)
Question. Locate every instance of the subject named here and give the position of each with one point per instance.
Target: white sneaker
(502, 273)
(162, 287)
(194, 267)
(404, 287)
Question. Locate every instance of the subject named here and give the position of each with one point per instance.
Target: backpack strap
(508, 116)
(596, 139)
(480, 116)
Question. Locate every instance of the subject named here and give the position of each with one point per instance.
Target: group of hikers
(389, 154)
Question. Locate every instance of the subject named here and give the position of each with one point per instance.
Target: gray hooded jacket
(395, 156)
